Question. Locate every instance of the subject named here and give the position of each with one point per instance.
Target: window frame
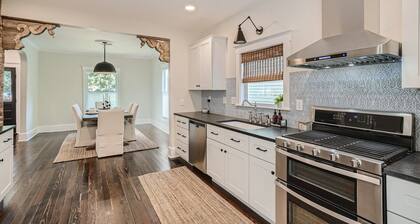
(280, 38)
(165, 68)
(85, 71)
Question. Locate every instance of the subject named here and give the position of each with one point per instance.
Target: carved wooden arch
(161, 45)
(14, 30)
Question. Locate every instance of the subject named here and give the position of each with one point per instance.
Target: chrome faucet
(253, 115)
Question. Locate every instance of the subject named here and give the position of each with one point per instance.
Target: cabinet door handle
(184, 151)
(260, 149)
(7, 140)
(178, 121)
(214, 133)
(184, 122)
(183, 136)
(272, 172)
(178, 133)
(197, 85)
(1, 160)
(234, 140)
(178, 147)
(221, 150)
(225, 151)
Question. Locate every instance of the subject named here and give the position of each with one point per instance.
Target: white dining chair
(130, 107)
(110, 133)
(130, 124)
(86, 133)
(99, 105)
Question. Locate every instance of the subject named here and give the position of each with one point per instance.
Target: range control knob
(356, 163)
(299, 147)
(286, 144)
(316, 152)
(334, 156)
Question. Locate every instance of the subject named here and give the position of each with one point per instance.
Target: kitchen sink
(241, 125)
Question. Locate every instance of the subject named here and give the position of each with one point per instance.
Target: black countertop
(407, 168)
(6, 128)
(268, 133)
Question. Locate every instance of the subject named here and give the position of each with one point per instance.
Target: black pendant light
(104, 67)
(240, 37)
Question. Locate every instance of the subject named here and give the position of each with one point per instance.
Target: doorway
(9, 96)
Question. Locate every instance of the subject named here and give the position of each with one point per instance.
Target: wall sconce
(240, 38)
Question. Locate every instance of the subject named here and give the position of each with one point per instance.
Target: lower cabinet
(237, 170)
(262, 189)
(216, 161)
(249, 177)
(229, 168)
(6, 162)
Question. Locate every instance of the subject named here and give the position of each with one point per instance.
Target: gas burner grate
(370, 149)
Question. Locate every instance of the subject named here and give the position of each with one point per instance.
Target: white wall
(157, 118)
(181, 99)
(61, 85)
(29, 92)
(302, 17)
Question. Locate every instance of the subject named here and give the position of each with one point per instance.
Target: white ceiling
(170, 13)
(78, 40)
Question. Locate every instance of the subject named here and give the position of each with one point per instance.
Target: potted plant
(278, 100)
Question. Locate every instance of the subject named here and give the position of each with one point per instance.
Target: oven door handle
(358, 176)
(340, 217)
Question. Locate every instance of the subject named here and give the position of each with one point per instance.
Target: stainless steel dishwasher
(197, 145)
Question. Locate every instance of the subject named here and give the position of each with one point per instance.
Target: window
(7, 86)
(165, 93)
(264, 92)
(262, 74)
(99, 87)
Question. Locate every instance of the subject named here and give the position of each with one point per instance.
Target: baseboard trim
(143, 121)
(161, 126)
(26, 136)
(56, 128)
(172, 153)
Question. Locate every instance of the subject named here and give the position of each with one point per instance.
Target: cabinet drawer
(262, 149)
(181, 122)
(215, 133)
(182, 150)
(403, 198)
(6, 170)
(6, 140)
(396, 219)
(181, 135)
(236, 140)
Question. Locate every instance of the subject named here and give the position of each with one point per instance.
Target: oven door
(293, 208)
(347, 192)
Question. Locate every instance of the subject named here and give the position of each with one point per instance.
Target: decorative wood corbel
(14, 30)
(161, 45)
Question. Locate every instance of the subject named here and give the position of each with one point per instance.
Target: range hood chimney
(350, 38)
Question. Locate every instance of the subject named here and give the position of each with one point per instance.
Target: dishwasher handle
(197, 124)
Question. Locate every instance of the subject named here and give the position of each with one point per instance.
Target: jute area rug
(70, 153)
(179, 196)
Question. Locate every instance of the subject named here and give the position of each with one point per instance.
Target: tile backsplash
(374, 87)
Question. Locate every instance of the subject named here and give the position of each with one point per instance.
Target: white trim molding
(279, 38)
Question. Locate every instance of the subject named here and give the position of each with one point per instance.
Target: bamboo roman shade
(262, 65)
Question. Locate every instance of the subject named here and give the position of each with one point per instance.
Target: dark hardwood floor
(88, 191)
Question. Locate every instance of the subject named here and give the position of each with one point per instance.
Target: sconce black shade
(240, 38)
(104, 67)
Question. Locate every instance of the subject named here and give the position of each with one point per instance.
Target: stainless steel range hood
(354, 46)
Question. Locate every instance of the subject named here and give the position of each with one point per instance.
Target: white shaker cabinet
(207, 60)
(216, 162)
(262, 190)
(410, 43)
(237, 173)
(6, 162)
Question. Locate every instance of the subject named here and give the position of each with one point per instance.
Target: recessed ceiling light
(190, 8)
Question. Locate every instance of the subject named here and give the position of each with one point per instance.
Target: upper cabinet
(207, 60)
(410, 43)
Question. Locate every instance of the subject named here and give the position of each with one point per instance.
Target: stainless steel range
(333, 173)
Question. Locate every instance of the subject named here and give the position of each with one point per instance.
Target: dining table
(94, 116)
